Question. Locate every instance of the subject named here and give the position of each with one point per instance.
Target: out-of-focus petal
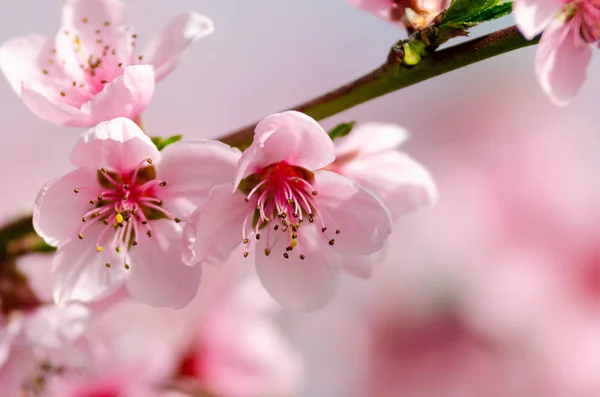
(400, 182)
(165, 50)
(362, 219)
(561, 62)
(532, 16)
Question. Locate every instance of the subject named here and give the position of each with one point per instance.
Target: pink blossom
(224, 361)
(115, 219)
(414, 14)
(127, 355)
(298, 218)
(569, 28)
(90, 73)
(37, 345)
(369, 155)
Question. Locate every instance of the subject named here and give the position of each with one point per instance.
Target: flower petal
(19, 60)
(370, 138)
(58, 209)
(289, 136)
(191, 169)
(165, 50)
(54, 112)
(400, 182)
(532, 16)
(215, 228)
(125, 96)
(118, 145)
(361, 266)
(561, 62)
(79, 272)
(299, 284)
(158, 276)
(362, 219)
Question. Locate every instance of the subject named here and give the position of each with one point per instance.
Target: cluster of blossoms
(136, 222)
(133, 221)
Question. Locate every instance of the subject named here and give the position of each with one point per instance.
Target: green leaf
(471, 12)
(162, 143)
(341, 130)
(494, 12)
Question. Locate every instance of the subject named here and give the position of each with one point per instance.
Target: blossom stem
(393, 75)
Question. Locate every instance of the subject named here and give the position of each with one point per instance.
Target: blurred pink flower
(369, 155)
(126, 353)
(414, 14)
(282, 193)
(235, 349)
(37, 345)
(569, 29)
(115, 219)
(90, 73)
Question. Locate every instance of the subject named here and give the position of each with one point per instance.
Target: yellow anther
(294, 243)
(99, 248)
(120, 218)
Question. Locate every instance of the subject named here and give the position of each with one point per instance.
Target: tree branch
(394, 75)
(391, 76)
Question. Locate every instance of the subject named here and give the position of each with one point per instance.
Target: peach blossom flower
(89, 73)
(115, 219)
(299, 219)
(569, 28)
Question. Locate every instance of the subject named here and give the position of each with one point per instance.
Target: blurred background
(495, 291)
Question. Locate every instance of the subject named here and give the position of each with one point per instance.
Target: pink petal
(53, 327)
(20, 60)
(370, 138)
(82, 13)
(381, 8)
(215, 228)
(298, 284)
(400, 182)
(158, 276)
(532, 16)
(54, 112)
(125, 96)
(165, 50)
(561, 62)
(118, 145)
(363, 220)
(58, 209)
(191, 169)
(289, 136)
(361, 266)
(79, 272)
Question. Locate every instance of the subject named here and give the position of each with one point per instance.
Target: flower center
(282, 198)
(585, 17)
(126, 204)
(97, 55)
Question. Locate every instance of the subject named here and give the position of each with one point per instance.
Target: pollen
(120, 218)
(99, 248)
